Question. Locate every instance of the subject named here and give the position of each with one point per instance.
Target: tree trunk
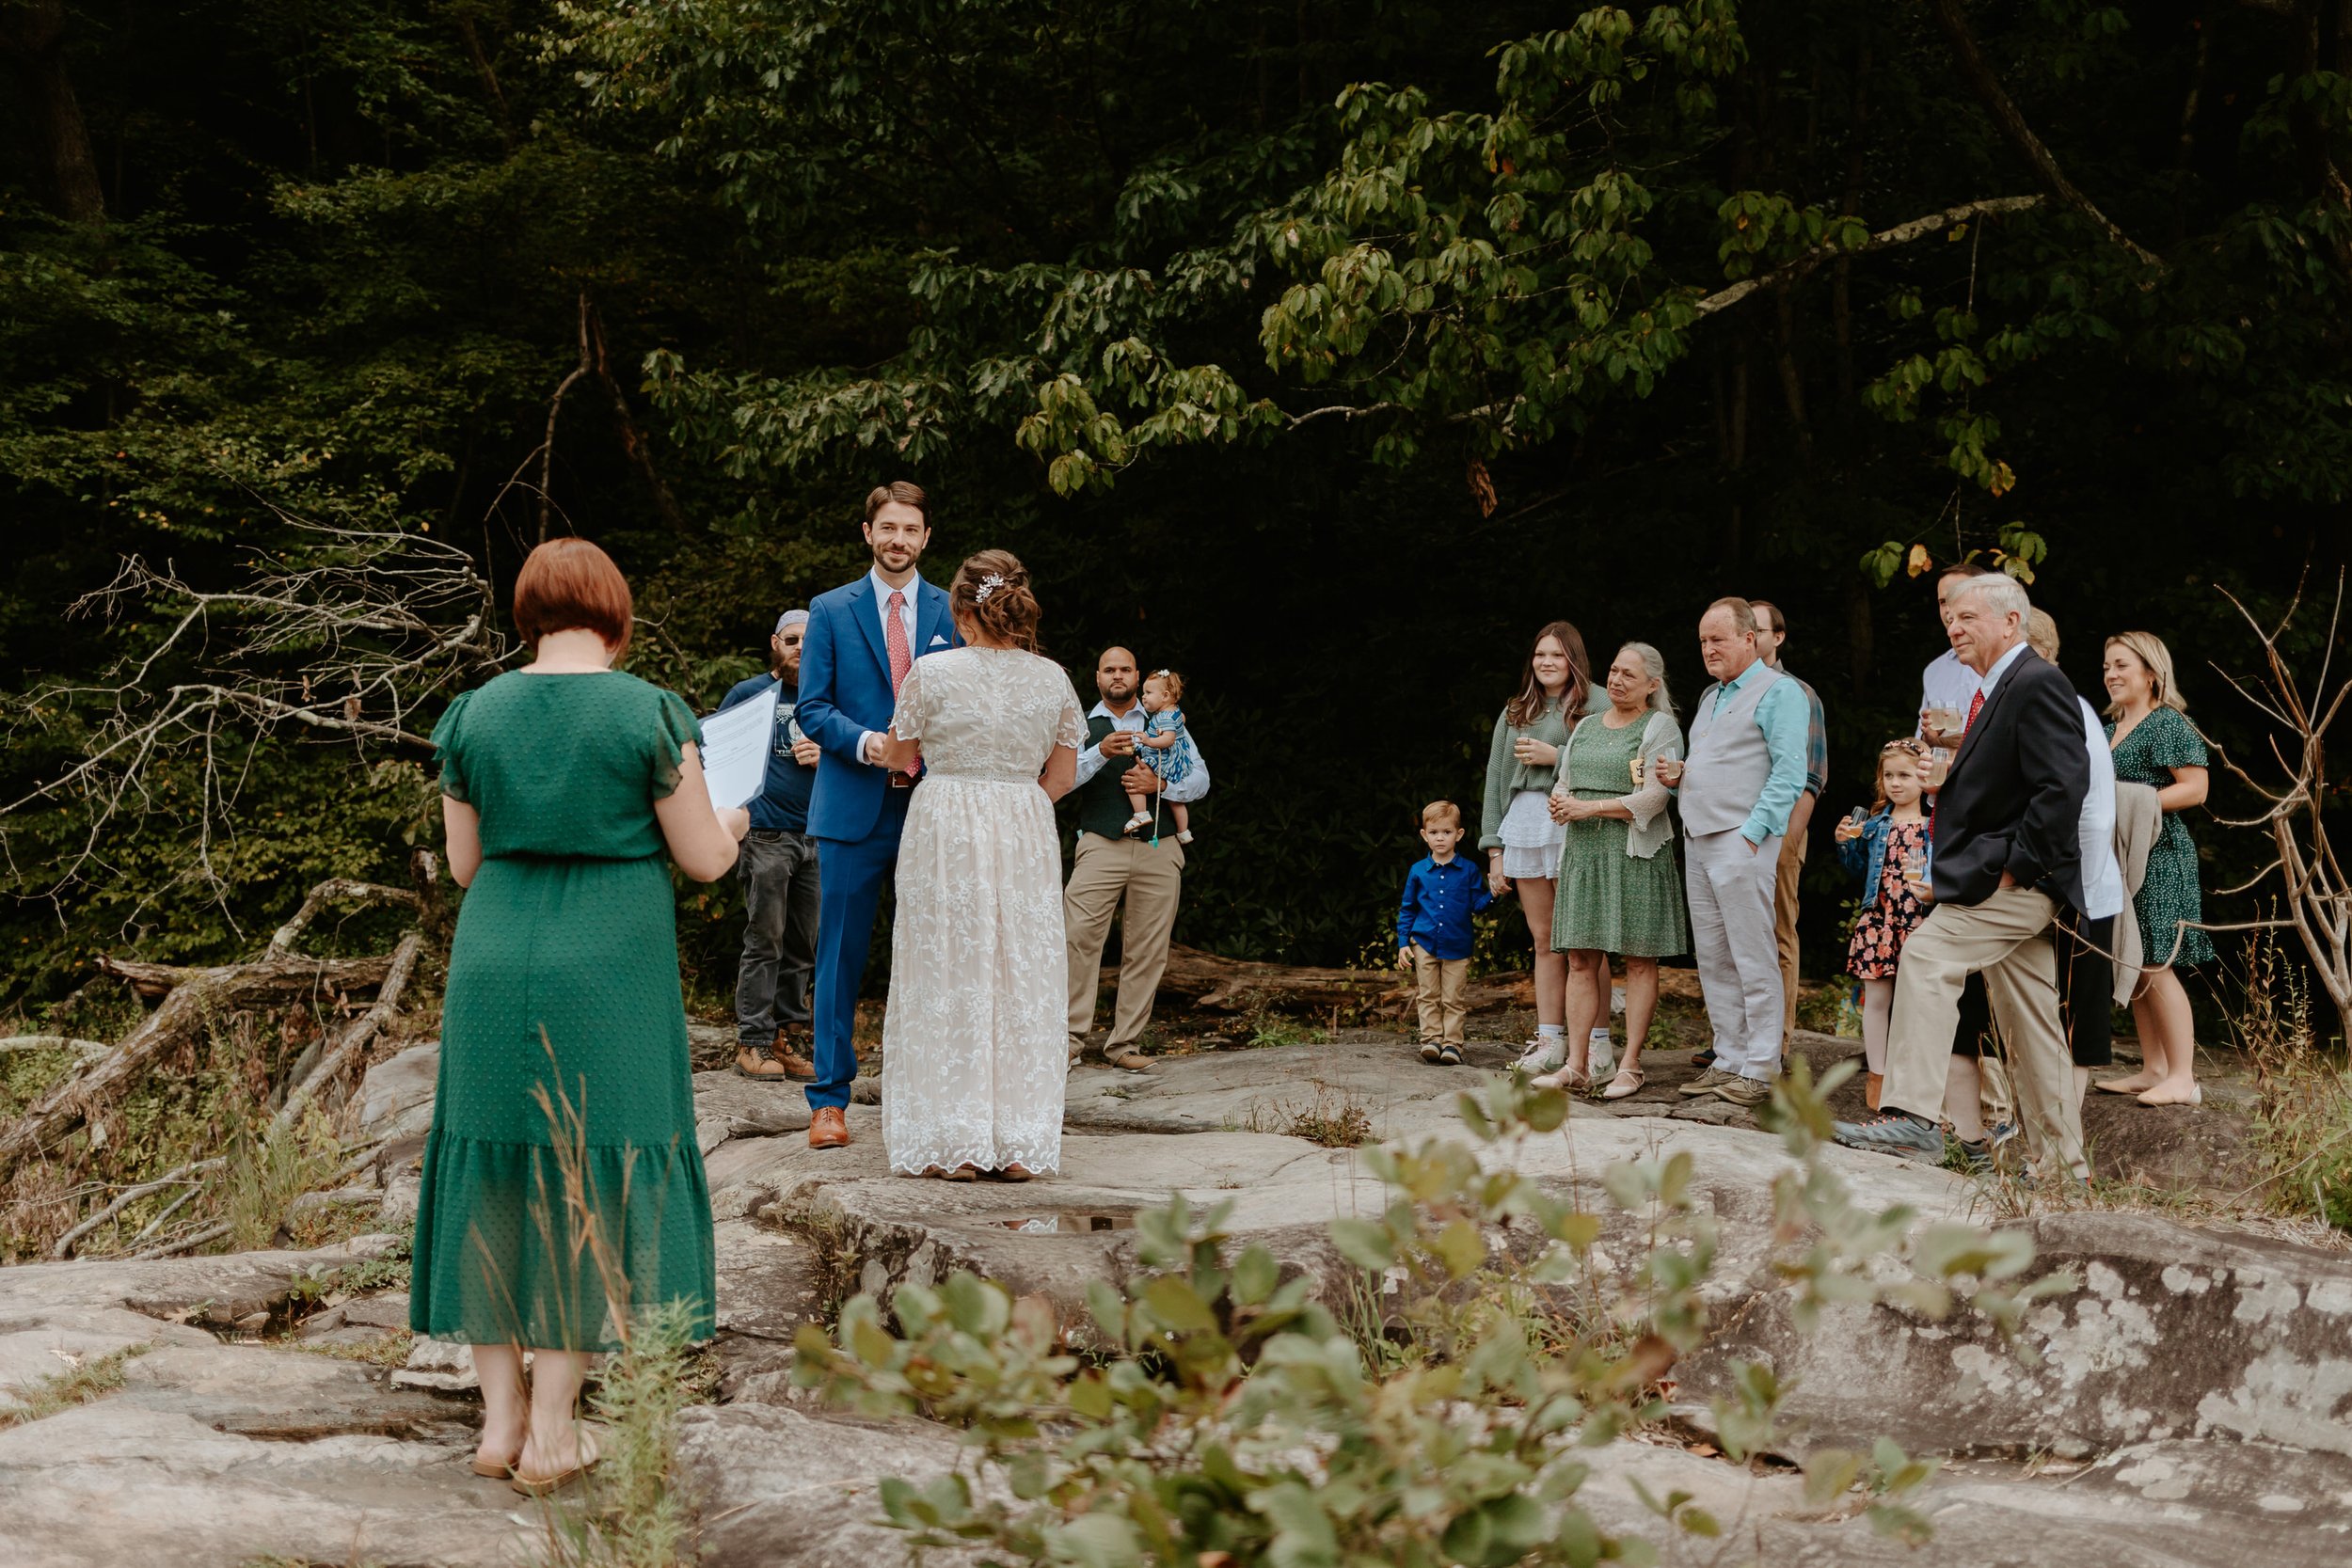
(32, 35)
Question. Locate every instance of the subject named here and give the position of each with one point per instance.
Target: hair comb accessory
(989, 584)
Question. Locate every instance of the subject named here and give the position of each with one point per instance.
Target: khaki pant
(1785, 879)
(1729, 882)
(2005, 938)
(1151, 879)
(1442, 982)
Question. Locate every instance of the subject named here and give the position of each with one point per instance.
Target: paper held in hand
(735, 748)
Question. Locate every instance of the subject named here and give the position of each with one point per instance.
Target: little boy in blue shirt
(1433, 930)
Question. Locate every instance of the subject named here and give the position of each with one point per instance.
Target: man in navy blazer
(2006, 860)
(862, 639)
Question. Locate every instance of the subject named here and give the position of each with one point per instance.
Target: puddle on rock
(1065, 1222)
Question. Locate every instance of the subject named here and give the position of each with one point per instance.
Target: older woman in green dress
(564, 1192)
(2155, 744)
(1618, 889)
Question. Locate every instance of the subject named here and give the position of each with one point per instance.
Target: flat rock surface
(2201, 1380)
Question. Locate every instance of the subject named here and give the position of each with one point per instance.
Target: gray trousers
(1730, 884)
(778, 870)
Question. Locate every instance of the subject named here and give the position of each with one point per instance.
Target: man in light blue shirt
(1745, 770)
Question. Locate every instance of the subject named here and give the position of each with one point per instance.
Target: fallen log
(1214, 984)
(194, 995)
(290, 975)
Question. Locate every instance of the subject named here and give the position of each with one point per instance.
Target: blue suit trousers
(849, 877)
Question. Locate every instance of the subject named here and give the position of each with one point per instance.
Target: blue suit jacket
(845, 691)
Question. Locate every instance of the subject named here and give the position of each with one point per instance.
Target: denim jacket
(1866, 854)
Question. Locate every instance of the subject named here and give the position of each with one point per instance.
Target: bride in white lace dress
(975, 1041)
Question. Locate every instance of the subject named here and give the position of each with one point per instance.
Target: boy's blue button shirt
(1438, 904)
(782, 804)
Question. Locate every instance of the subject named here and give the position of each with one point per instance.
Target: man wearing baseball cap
(778, 867)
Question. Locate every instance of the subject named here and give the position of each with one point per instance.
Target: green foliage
(1221, 1413)
(631, 1513)
(1323, 352)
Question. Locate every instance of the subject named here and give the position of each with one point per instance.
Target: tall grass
(2304, 1090)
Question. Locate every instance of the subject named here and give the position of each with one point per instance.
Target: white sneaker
(1544, 1055)
(1603, 1053)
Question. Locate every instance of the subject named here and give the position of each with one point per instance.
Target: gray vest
(1729, 761)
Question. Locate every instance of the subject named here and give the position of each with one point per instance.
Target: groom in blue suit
(862, 640)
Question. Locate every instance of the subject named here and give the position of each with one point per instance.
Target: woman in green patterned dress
(2155, 744)
(1618, 889)
(564, 1192)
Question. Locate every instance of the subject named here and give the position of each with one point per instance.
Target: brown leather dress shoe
(828, 1128)
(750, 1062)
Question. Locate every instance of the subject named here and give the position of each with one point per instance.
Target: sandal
(1626, 1084)
(965, 1172)
(491, 1469)
(591, 1454)
(1566, 1078)
(1014, 1172)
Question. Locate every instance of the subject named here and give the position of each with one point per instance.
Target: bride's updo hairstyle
(992, 589)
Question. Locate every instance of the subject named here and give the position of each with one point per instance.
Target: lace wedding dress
(975, 1043)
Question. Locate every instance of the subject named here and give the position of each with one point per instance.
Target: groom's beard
(910, 559)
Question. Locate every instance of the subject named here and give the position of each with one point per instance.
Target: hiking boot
(800, 1069)
(1896, 1132)
(1709, 1081)
(1977, 1158)
(753, 1063)
(1746, 1093)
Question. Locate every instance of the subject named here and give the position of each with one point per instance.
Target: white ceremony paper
(735, 748)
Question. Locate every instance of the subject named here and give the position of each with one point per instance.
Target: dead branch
(346, 635)
(185, 1244)
(85, 1049)
(154, 1227)
(356, 1036)
(2010, 122)
(334, 890)
(1797, 270)
(184, 1175)
(555, 410)
(2318, 899)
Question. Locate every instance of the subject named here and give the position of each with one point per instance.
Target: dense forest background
(1321, 350)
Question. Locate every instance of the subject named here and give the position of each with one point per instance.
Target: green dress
(1608, 900)
(2169, 894)
(563, 1011)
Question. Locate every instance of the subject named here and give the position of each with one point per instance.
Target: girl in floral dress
(1888, 849)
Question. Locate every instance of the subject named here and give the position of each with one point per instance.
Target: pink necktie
(895, 640)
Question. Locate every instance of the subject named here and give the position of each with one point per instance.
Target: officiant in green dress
(563, 1193)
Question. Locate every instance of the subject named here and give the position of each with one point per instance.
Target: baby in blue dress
(1167, 750)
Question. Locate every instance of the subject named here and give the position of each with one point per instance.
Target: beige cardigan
(2136, 818)
(1651, 827)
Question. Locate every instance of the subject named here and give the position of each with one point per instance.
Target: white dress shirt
(881, 620)
(1091, 759)
(2103, 875)
(1948, 683)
